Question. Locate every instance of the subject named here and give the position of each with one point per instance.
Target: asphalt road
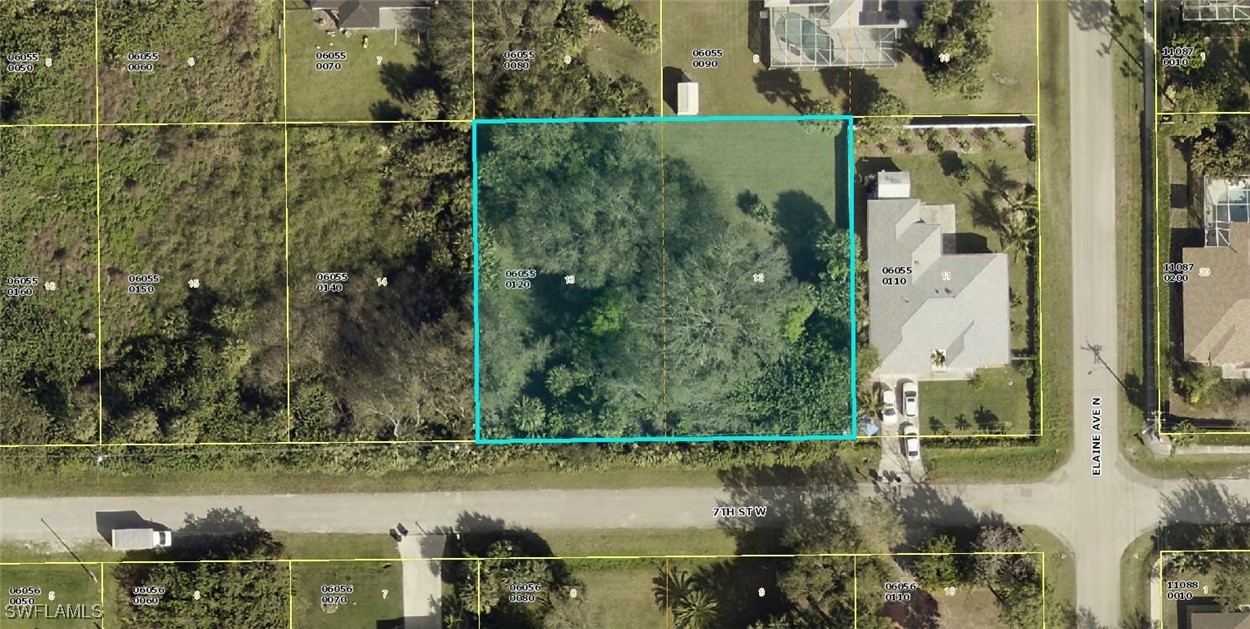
(1096, 500)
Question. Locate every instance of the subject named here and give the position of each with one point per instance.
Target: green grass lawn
(738, 85)
(376, 598)
(613, 55)
(998, 403)
(56, 585)
(348, 94)
(236, 75)
(1137, 564)
(1010, 76)
(767, 158)
(619, 592)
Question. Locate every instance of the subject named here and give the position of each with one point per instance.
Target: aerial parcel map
(625, 314)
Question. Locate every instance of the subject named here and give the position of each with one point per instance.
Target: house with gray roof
(376, 14)
(936, 314)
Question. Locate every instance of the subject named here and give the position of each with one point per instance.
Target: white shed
(688, 98)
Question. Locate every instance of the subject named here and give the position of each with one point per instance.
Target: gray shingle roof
(957, 303)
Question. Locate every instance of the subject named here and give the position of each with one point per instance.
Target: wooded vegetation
(953, 39)
(704, 322)
(549, 86)
(228, 577)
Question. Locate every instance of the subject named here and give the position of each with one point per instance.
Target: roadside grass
(50, 585)
(1010, 76)
(353, 93)
(1060, 569)
(63, 93)
(613, 55)
(375, 599)
(1129, 246)
(982, 458)
(639, 542)
(995, 402)
(236, 77)
(737, 85)
(337, 545)
(1137, 564)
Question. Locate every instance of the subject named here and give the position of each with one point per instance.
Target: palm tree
(695, 610)
(669, 585)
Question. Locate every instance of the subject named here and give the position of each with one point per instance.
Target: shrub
(636, 29)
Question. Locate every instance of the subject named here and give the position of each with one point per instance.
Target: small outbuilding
(688, 98)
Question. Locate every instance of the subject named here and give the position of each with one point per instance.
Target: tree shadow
(800, 219)
(671, 77)
(783, 86)
(952, 164)
(927, 508)
(987, 421)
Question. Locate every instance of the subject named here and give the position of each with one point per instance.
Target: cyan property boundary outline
(477, 345)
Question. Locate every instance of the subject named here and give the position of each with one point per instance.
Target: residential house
(937, 314)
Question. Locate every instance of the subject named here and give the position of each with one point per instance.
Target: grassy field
(64, 91)
(1010, 76)
(359, 90)
(996, 402)
(767, 158)
(375, 600)
(613, 55)
(799, 174)
(237, 70)
(51, 585)
(48, 376)
(738, 85)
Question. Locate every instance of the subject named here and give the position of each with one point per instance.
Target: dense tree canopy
(954, 41)
(645, 314)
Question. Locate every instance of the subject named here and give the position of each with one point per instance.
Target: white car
(911, 398)
(911, 442)
(889, 414)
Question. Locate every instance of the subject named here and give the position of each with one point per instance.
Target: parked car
(911, 442)
(889, 414)
(911, 398)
